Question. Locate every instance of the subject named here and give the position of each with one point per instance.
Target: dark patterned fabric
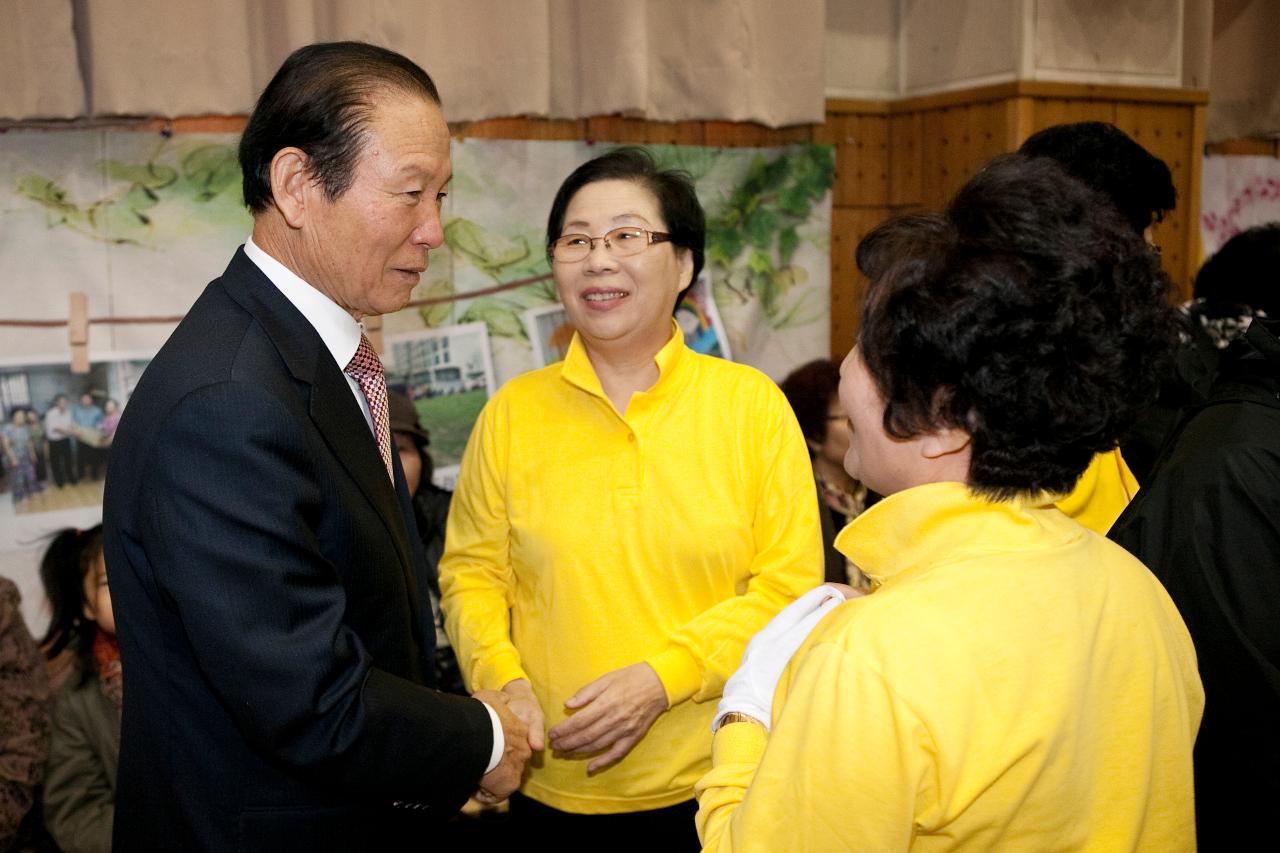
(24, 715)
(366, 368)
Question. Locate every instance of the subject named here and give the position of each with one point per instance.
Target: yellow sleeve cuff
(495, 673)
(738, 743)
(679, 673)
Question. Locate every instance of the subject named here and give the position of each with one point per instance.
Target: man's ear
(290, 184)
(945, 441)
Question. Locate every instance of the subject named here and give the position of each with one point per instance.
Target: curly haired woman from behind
(1013, 681)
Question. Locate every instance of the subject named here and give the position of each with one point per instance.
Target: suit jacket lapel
(332, 406)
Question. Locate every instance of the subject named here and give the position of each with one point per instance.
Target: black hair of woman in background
(84, 742)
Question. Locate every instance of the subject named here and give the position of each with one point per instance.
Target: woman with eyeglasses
(624, 521)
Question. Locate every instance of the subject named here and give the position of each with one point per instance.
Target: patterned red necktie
(366, 368)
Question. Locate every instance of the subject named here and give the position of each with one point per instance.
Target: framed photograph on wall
(448, 374)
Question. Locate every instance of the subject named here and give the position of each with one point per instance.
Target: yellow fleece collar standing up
(577, 369)
(915, 525)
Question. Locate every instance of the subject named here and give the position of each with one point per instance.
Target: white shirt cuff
(499, 741)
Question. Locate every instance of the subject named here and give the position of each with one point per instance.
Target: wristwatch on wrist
(736, 717)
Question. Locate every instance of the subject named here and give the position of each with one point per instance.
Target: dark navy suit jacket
(266, 584)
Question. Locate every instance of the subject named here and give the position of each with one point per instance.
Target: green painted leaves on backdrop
(127, 213)
(761, 220)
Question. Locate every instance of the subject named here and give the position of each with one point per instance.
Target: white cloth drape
(670, 60)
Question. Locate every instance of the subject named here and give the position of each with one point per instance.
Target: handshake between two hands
(613, 712)
(609, 717)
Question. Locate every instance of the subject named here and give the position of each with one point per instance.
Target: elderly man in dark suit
(264, 569)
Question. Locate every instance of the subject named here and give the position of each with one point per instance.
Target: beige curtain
(669, 60)
(39, 74)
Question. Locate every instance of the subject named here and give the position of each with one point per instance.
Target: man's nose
(430, 231)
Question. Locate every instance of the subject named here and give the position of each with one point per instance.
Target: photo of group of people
(57, 432)
(447, 374)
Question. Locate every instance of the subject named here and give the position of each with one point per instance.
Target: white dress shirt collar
(339, 331)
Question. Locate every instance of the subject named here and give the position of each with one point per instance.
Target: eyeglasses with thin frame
(627, 240)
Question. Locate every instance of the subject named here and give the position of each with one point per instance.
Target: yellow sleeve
(1102, 492)
(735, 754)
(702, 654)
(476, 579)
(845, 767)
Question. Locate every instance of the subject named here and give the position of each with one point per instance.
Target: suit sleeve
(701, 654)
(233, 503)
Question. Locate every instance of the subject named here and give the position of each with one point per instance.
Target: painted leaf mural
(156, 217)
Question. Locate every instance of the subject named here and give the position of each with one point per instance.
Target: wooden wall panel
(1194, 245)
(615, 129)
(985, 135)
(955, 144)
(1019, 121)
(1050, 111)
(737, 134)
(848, 226)
(862, 158)
(675, 133)
(1245, 147)
(518, 127)
(936, 143)
(906, 161)
(199, 124)
(865, 154)
(1166, 131)
(640, 132)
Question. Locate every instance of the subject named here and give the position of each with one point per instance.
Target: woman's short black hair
(1245, 271)
(1108, 160)
(1029, 315)
(677, 200)
(809, 389)
(320, 101)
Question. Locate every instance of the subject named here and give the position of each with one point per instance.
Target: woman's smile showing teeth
(603, 296)
(617, 271)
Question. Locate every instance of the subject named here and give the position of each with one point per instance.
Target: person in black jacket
(1208, 525)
